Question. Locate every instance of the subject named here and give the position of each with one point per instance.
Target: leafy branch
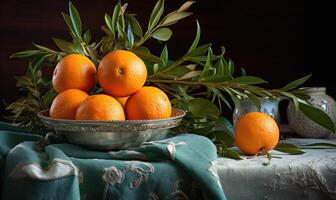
(197, 80)
(39, 97)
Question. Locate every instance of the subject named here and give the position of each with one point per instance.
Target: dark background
(277, 40)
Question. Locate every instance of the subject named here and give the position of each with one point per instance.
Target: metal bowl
(114, 134)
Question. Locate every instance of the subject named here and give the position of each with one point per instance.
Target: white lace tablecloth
(308, 176)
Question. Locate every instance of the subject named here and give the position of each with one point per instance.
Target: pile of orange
(121, 74)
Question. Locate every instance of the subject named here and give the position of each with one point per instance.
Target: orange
(148, 103)
(66, 103)
(74, 71)
(121, 73)
(122, 101)
(256, 132)
(100, 107)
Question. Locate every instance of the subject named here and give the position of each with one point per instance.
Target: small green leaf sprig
(199, 79)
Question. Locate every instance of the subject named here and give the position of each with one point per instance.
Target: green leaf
(65, 46)
(201, 107)
(247, 80)
(147, 56)
(130, 35)
(288, 148)
(121, 17)
(78, 45)
(216, 78)
(26, 54)
(182, 90)
(317, 115)
(218, 93)
(174, 17)
(23, 81)
(224, 136)
(243, 71)
(162, 34)
(231, 67)
(137, 30)
(115, 17)
(225, 124)
(296, 83)
(202, 131)
(204, 58)
(164, 55)
(49, 96)
(319, 145)
(37, 62)
(231, 154)
(234, 98)
(68, 21)
(87, 36)
(123, 9)
(238, 93)
(108, 22)
(191, 74)
(220, 67)
(185, 6)
(156, 14)
(178, 71)
(227, 68)
(44, 48)
(197, 38)
(75, 19)
(208, 63)
(292, 97)
(255, 100)
(122, 34)
(142, 49)
(199, 50)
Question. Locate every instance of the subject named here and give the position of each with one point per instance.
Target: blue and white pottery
(302, 125)
(268, 106)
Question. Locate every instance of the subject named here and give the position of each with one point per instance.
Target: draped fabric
(179, 167)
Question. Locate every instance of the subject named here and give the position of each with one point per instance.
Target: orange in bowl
(100, 107)
(121, 73)
(148, 103)
(65, 104)
(74, 71)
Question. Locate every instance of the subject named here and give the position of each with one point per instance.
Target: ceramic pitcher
(302, 125)
(267, 105)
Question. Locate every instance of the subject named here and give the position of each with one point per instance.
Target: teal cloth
(179, 167)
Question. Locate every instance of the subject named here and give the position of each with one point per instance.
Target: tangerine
(74, 71)
(256, 132)
(65, 104)
(121, 73)
(100, 107)
(122, 100)
(148, 103)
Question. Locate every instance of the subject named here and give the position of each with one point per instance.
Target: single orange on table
(121, 73)
(100, 107)
(74, 71)
(148, 103)
(65, 104)
(256, 132)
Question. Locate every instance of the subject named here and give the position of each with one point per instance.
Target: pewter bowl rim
(179, 114)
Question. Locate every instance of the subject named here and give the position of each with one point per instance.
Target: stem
(173, 81)
(263, 151)
(87, 49)
(147, 35)
(177, 63)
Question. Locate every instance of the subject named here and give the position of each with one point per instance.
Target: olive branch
(199, 79)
